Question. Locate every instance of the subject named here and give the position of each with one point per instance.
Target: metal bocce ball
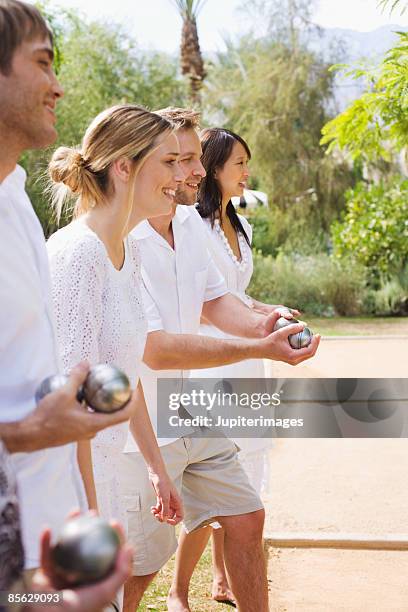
(49, 385)
(284, 310)
(85, 551)
(296, 341)
(106, 388)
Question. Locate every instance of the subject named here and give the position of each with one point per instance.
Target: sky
(155, 23)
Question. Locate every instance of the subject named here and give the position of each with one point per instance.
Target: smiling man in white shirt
(181, 282)
(48, 478)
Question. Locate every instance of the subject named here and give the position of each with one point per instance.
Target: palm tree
(392, 4)
(191, 59)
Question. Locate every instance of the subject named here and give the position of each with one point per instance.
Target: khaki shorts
(212, 483)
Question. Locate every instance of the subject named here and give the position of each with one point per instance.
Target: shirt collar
(16, 179)
(144, 229)
(182, 213)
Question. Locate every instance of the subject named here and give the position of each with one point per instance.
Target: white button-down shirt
(48, 479)
(176, 282)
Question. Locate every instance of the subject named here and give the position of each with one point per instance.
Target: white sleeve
(216, 286)
(78, 274)
(247, 227)
(154, 321)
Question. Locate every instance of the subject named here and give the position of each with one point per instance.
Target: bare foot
(176, 603)
(223, 594)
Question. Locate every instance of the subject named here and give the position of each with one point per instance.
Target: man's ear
(121, 168)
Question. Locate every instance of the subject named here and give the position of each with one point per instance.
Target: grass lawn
(200, 589)
(358, 326)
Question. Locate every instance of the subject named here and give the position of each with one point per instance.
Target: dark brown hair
(19, 22)
(217, 144)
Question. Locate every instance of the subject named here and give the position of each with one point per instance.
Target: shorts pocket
(134, 527)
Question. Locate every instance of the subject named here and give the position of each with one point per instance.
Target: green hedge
(315, 284)
(374, 231)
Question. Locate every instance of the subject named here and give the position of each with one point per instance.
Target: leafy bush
(391, 298)
(376, 124)
(315, 284)
(294, 230)
(374, 231)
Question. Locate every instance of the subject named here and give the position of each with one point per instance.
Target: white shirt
(47, 479)
(176, 283)
(99, 317)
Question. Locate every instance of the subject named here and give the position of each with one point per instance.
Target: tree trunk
(192, 63)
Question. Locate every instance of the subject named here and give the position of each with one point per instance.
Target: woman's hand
(169, 507)
(269, 308)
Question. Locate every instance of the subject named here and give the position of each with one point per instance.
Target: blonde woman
(126, 170)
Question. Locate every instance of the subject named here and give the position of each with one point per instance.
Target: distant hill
(359, 45)
(351, 47)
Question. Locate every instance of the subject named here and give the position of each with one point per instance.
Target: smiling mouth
(50, 109)
(169, 193)
(193, 185)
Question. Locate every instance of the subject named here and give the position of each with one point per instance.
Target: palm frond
(188, 8)
(383, 4)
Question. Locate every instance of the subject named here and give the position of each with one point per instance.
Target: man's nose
(200, 170)
(57, 89)
(179, 175)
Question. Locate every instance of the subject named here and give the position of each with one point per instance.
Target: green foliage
(272, 89)
(390, 299)
(374, 231)
(99, 65)
(316, 284)
(296, 230)
(375, 125)
(277, 102)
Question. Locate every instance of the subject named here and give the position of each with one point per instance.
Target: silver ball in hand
(297, 341)
(106, 388)
(49, 385)
(85, 551)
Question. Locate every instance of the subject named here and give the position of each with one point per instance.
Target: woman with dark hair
(225, 158)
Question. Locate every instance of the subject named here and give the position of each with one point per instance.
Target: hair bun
(67, 167)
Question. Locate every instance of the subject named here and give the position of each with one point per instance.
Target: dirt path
(351, 357)
(334, 486)
(340, 486)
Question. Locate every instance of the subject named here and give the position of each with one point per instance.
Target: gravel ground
(351, 486)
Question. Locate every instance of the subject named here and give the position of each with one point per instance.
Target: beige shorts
(211, 480)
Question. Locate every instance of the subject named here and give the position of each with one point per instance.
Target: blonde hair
(183, 118)
(83, 173)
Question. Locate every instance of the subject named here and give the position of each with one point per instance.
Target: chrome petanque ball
(284, 310)
(296, 341)
(302, 339)
(49, 385)
(85, 551)
(106, 388)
